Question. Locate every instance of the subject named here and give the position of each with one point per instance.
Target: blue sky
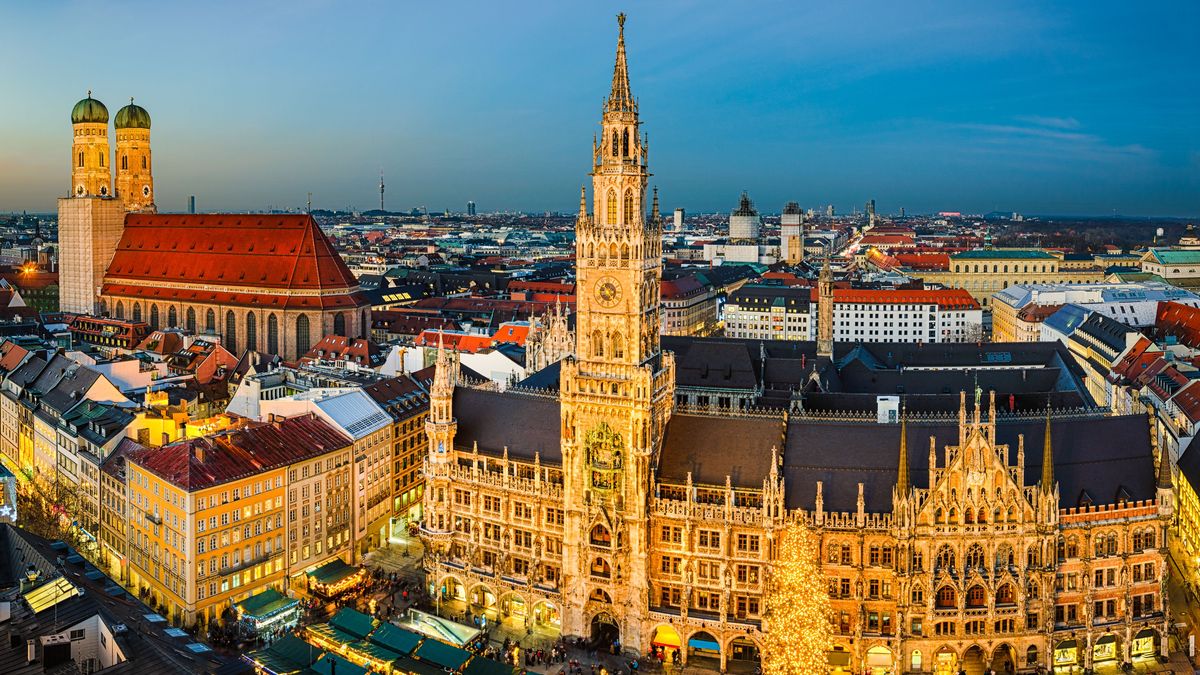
(1039, 107)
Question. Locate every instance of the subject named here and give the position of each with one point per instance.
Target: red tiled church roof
(257, 252)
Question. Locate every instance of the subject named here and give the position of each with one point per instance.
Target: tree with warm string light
(797, 604)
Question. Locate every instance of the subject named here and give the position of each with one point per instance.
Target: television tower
(381, 189)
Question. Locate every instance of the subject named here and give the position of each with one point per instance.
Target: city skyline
(1022, 108)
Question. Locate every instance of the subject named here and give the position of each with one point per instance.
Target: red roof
(1179, 320)
(258, 253)
(11, 355)
(338, 348)
(924, 261)
(205, 462)
(460, 342)
(512, 332)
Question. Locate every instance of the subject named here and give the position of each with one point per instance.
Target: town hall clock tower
(617, 390)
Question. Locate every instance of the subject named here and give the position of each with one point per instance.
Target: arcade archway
(703, 650)
(605, 633)
(666, 644)
(545, 615)
(973, 661)
(879, 660)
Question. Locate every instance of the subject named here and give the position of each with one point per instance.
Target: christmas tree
(797, 604)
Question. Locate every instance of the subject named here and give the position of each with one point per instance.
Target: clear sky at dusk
(1039, 107)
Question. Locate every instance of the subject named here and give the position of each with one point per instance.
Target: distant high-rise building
(470, 208)
(870, 208)
(829, 211)
(381, 190)
(791, 234)
(744, 222)
(901, 211)
(192, 204)
(679, 220)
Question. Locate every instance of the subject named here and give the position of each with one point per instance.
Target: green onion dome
(132, 117)
(89, 111)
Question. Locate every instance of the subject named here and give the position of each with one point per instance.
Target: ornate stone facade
(605, 511)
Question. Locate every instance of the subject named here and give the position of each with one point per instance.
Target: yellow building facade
(984, 272)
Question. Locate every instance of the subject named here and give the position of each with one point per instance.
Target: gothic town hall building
(994, 518)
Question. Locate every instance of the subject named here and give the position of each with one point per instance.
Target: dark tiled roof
(712, 448)
(1099, 456)
(1189, 464)
(524, 423)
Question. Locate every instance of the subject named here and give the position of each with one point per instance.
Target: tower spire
(1047, 456)
(902, 477)
(582, 202)
(620, 98)
(654, 209)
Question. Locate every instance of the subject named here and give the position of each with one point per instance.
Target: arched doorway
(546, 616)
(513, 610)
(945, 661)
(1145, 644)
(1004, 659)
(879, 660)
(973, 661)
(703, 650)
(1066, 654)
(482, 606)
(666, 644)
(606, 634)
(1105, 650)
(743, 656)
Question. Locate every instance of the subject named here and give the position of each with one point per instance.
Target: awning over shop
(1106, 639)
(442, 654)
(1065, 644)
(332, 664)
(1145, 633)
(701, 643)
(286, 656)
(353, 622)
(265, 603)
(332, 572)
(481, 666)
(406, 664)
(396, 639)
(838, 658)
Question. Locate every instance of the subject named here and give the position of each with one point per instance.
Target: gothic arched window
(273, 334)
(597, 344)
(975, 556)
(230, 336)
(154, 316)
(251, 331)
(190, 320)
(629, 207)
(625, 144)
(81, 160)
(137, 312)
(339, 324)
(210, 321)
(101, 160)
(945, 558)
(610, 207)
(618, 346)
(172, 317)
(143, 161)
(120, 310)
(124, 162)
(601, 536)
(302, 343)
(946, 597)
(616, 144)
(976, 597)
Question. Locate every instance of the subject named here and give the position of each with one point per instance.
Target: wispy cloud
(1052, 122)
(1061, 138)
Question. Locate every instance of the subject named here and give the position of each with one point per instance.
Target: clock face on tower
(145, 190)
(608, 292)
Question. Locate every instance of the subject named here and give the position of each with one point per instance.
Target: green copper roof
(89, 111)
(132, 117)
(1168, 256)
(1003, 254)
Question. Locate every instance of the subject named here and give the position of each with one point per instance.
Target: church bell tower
(617, 389)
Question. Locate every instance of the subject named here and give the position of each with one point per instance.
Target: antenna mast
(381, 189)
